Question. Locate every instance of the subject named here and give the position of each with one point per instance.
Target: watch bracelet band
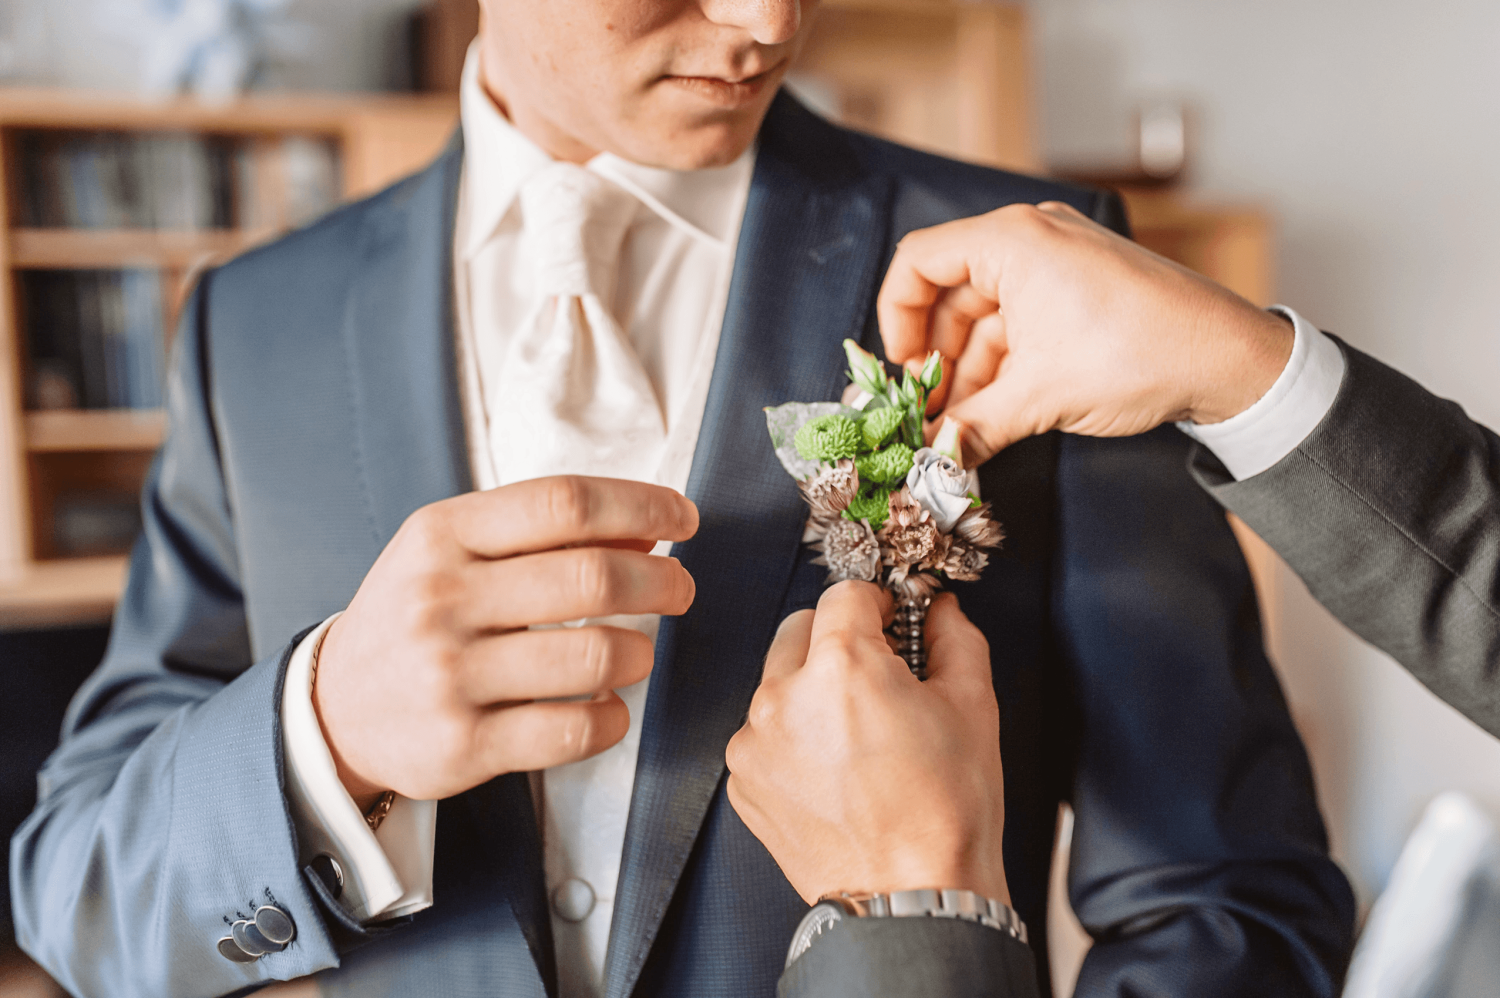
(933, 903)
(930, 903)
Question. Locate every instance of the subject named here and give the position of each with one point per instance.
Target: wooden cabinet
(94, 187)
(952, 77)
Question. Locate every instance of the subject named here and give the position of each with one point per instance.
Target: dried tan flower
(963, 563)
(908, 545)
(828, 493)
(976, 529)
(906, 511)
(915, 586)
(939, 554)
(850, 551)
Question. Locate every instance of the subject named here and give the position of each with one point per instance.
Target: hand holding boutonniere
(884, 507)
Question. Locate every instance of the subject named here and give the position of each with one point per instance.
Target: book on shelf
(95, 338)
(172, 180)
(95, 522)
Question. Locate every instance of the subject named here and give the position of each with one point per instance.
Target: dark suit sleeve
(161, 816)
(1109, 211)
(897, 957)
(1199, 862)
(1390, 512)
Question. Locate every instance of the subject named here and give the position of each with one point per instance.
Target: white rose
(941, 486)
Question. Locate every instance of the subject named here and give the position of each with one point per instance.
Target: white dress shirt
(1296, 403)
(669, 295)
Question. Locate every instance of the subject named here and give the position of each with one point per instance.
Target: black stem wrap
(911, 614)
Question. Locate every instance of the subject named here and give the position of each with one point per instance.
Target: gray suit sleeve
(1390, 512)
(911, 958)
(161, 816)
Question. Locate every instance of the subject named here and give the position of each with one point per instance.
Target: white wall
(1372, 129)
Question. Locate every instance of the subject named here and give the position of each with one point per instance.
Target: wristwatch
(966, 905)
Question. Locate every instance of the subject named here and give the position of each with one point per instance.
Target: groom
(333, 668)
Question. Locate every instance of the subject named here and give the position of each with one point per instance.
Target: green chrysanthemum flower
(874, 507)
(885, 466)
(879, 424)
(828, 438)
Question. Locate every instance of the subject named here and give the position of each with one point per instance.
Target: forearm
(1390, 512)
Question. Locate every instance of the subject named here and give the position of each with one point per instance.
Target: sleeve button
(275, 925)
(250, 940)
(230, 950)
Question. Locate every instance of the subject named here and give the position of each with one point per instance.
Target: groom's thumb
(993, 418)
(958, 656)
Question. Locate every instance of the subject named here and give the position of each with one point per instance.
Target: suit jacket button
(275, 925)
(250, 940)
(230, 950)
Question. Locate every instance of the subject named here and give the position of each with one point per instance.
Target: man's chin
(694, 145)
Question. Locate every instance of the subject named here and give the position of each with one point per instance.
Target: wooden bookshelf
(50, 457)
(69, 249)
(94, 430)
(946, 75)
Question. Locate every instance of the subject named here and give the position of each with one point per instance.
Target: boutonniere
(883, 506)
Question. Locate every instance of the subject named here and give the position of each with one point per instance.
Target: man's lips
(723, 92)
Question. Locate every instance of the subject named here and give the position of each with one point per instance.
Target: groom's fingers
(980, 361)
(958, 656)
(789, 647)
(926, 263)
(850, 624)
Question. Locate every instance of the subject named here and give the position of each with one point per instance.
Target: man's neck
(552, 140)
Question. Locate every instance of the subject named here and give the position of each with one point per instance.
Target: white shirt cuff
(1274, 426)
(387, 873)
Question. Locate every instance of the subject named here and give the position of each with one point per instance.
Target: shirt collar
(498, 159)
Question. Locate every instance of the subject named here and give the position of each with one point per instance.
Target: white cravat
(640, 318)
(567, 393)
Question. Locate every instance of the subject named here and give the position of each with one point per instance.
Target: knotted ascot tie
(570, 395)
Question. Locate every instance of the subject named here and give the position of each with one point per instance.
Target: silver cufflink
(250, 939)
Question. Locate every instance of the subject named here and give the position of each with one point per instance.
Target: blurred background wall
(1371, 132)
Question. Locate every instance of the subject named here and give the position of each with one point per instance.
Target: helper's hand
(1053, 322)
(856, 776)
(425, 684)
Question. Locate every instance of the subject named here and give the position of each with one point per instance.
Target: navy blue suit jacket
(314, 406)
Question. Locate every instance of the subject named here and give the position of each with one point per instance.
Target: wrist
(365, 793)
(985, 879)
(1246, 354)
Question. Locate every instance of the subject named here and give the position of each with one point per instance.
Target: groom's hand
(859, 778)
(427, 684)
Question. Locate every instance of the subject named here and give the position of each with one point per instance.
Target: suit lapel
(398, 337)
(813, 237)
(411, 450)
